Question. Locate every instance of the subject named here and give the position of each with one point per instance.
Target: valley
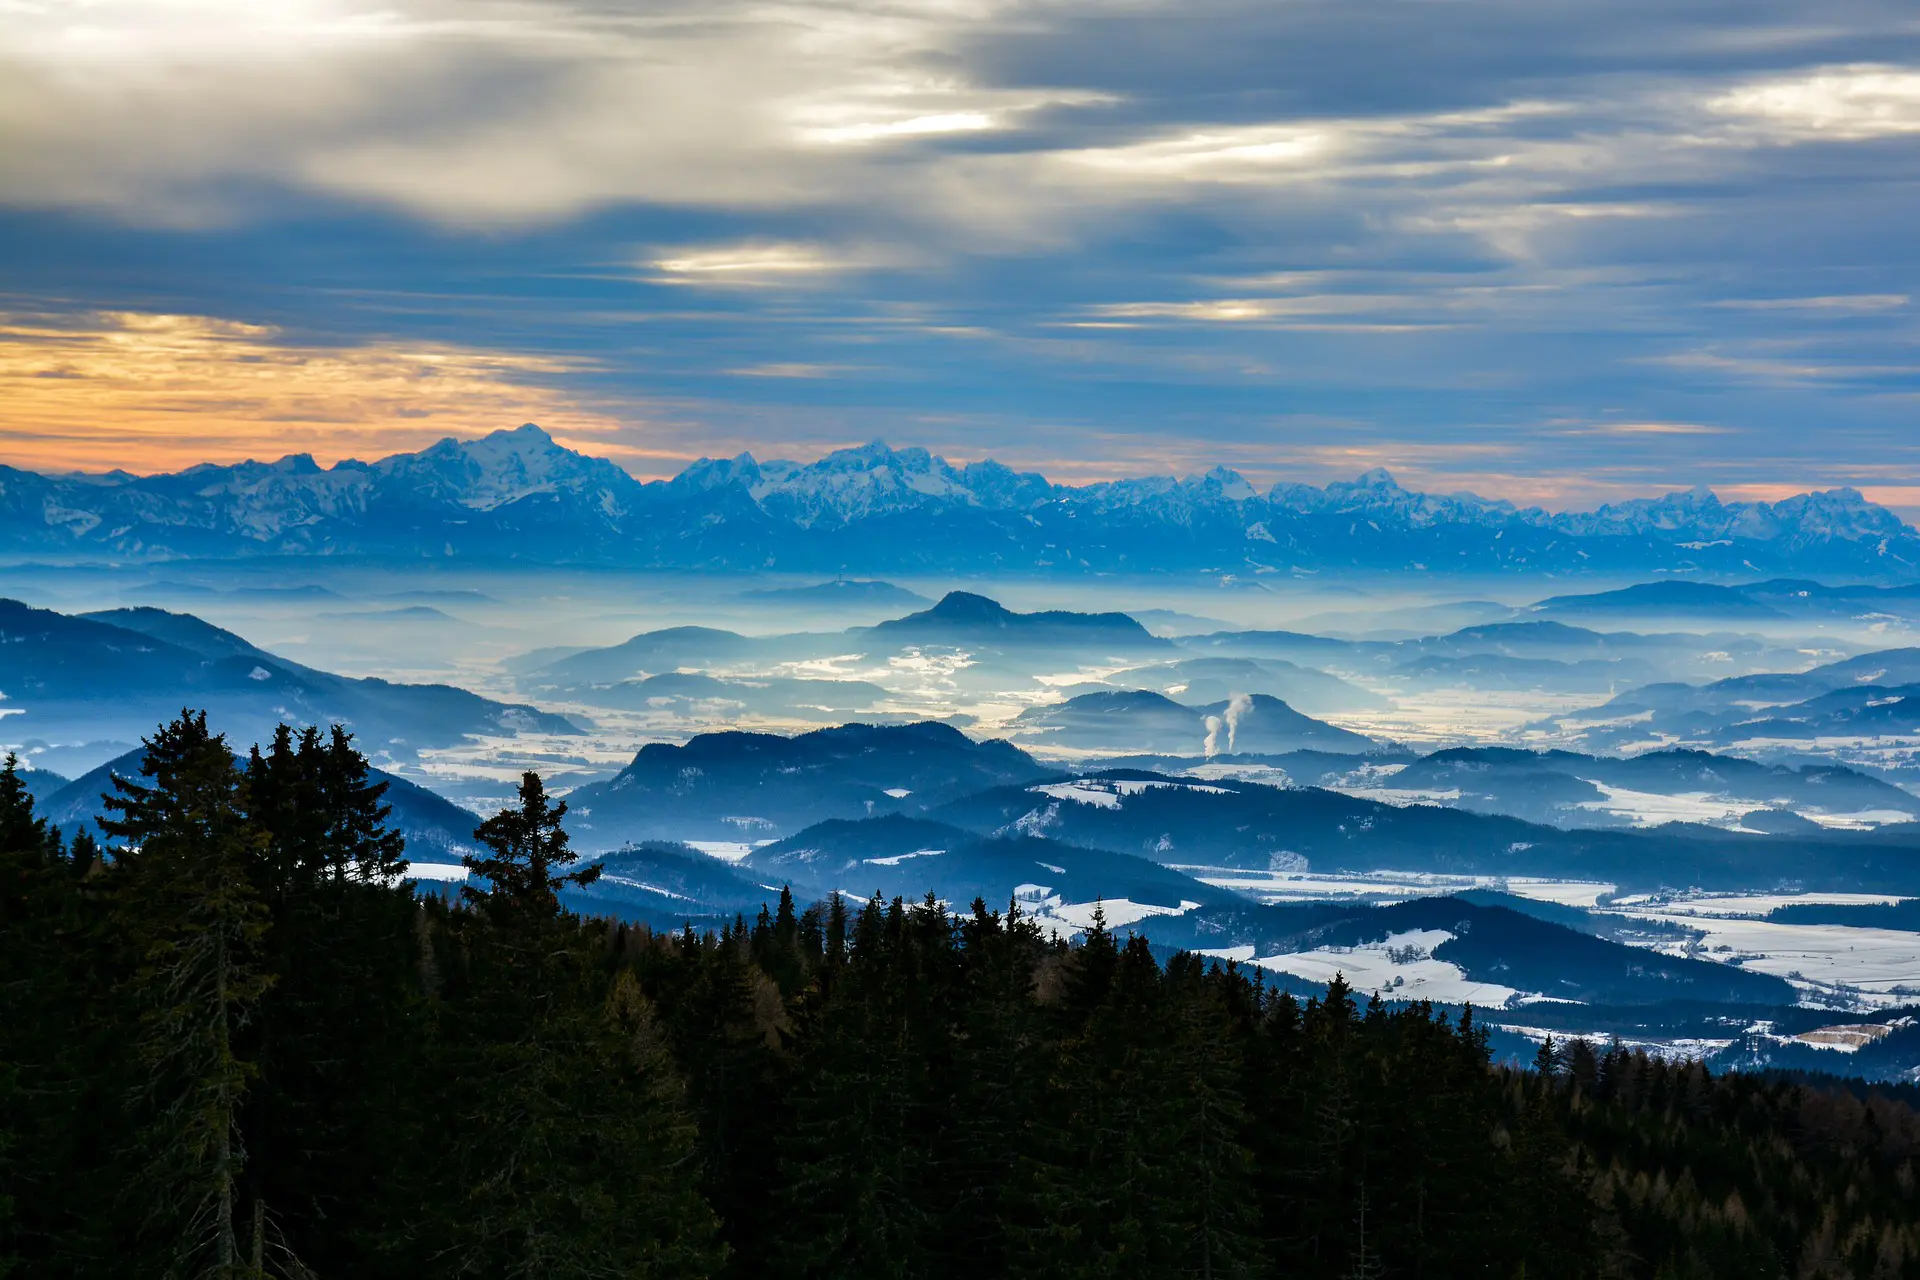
(1656, 769)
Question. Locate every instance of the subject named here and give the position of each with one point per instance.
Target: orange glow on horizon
(146, 393)
(150, 393)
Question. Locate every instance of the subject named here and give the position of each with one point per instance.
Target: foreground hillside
(235, 1040)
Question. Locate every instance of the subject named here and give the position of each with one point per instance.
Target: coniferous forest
(236, 1043)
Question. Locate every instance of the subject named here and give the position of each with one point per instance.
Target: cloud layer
(1555, 251)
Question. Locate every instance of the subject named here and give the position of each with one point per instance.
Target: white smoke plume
(1238, 705)
(1214, 725)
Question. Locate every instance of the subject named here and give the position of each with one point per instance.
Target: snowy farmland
(1400, 966)
(1283, 885)
(1831, 965)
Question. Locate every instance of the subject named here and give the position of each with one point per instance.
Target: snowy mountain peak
(504, 467)
(1229, 484)
(1377, 478)
(852, 484)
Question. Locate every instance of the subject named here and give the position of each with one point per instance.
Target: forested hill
(235, 1044)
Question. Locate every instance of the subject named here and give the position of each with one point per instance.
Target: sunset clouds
(143, 392)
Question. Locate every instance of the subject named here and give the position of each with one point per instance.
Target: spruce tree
(854, 1163)
(188, 902)
(526, 847)
(333, 1036)
(30, 970)
(569, 1150)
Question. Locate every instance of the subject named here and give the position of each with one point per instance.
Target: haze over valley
(1613, 734)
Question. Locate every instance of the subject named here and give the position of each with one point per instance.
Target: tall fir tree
(29, 905)
(569, 1144)
(336, 1032)
(188, 901)
(526, 849)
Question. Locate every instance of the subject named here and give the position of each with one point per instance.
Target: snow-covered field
(1847, 1037)
(1743, 904)
(1106, 793)
(1449, 717)
(1831, 965)
(1652, 808)
(1400, 966)
(1568, 893)
(1281, 885)
(437, 871)
(726, 850)
(1060, 918)
(1679, 1049)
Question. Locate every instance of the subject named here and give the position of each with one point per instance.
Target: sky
(1563, 253)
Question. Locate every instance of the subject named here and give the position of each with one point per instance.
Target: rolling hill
(118, 675)
(747, 786)
(1140, 720)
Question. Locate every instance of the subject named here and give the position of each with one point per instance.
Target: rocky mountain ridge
(519, 495)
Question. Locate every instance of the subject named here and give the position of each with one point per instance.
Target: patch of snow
(1751, 904)
(644, 887)
(1106, 793)
(1120, 912)
(1864, 820)
(1830, 965)
(1037, 822)
(1568, 893)
(442, 871)
(1679, 1049)
(726, 850)
(1848, 1038)
(1081, 793)
(1651, 809)
(1400, 967)
(899, 858)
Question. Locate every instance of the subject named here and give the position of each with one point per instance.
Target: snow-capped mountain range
(517, 495)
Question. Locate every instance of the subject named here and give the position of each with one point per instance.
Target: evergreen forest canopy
(236, 1043)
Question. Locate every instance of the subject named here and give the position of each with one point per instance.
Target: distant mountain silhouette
(962, 617)
(121, 673)
(1663, 599)
(1189, 822)
(757, 786)
(840, 591)
(1564, 787)
(518, 496)
(996, 636)
(650, 653)
(1199, 681)
(1140, 720)
(1870, 695)
(904, 856)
